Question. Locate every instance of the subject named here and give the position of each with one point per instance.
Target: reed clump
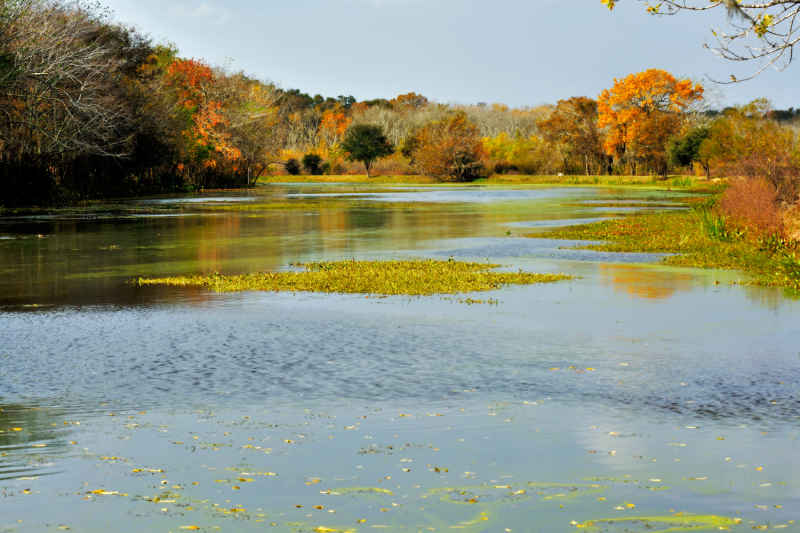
(385, 278)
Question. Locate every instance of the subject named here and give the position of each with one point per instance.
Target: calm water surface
(634, 398)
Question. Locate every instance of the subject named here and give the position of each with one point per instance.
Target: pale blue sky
(519, 52)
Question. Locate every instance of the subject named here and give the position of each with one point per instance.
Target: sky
(517, 52)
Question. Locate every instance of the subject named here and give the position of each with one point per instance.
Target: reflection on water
(64, 259)
(635, 398)
(643, 283)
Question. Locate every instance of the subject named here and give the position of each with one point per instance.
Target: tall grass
(682, 181)
(714, 224)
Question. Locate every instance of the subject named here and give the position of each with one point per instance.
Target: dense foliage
(92, 108)
(366, 143)
(89, 107)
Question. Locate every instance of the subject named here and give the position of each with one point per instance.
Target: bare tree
(764, 32)
(250, 109)
(57, 86)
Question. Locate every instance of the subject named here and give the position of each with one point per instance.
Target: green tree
(312, 164)
(293, 167)
(686, 150)
(366, 143)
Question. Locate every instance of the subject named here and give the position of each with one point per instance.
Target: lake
(636, 397)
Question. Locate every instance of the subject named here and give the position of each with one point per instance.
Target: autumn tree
(573, 126)
(642, 112)
(366, 143)
(764, 31)
(334, 125)
(745, 142)
(249, 107)
(450, 149)
(191, 82)
(532, 155)
(409, 101)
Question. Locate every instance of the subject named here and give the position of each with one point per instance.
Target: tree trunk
(368, 165)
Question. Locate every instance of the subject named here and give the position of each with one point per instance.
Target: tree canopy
(366, 143)
(643, 111)
(449, 148)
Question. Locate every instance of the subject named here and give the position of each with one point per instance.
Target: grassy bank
(688, 182)
(411, 278)
(347, 178)
(695, 240)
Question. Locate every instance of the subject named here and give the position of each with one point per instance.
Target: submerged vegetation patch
(412, 278)
(695, 241)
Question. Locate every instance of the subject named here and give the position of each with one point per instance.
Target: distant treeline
(93, 108)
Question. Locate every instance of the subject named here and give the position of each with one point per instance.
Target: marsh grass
(411, 278)
(688, 237)
(714, 225)
(645, 201)
(686, 182)
(631, 204)
(683, 181)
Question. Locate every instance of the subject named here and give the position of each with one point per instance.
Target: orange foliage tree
(334, 125)
(450, 149)
(642, 112)
(410, 100)
(192, 83)
(572, 126)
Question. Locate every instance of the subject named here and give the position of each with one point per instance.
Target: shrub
(312, 164)
(293, 167)
(791, 223)
(752, 206)
(337, 168)
(504, 167)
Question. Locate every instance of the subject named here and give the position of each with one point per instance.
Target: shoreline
(684, 235)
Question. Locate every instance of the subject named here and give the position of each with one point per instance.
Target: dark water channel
(634, 398)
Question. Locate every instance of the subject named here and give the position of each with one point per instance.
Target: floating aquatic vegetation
(684, 233)
(660, 524)
(412, 278)
(669, 205)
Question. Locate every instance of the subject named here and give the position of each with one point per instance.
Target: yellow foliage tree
(642, 112)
